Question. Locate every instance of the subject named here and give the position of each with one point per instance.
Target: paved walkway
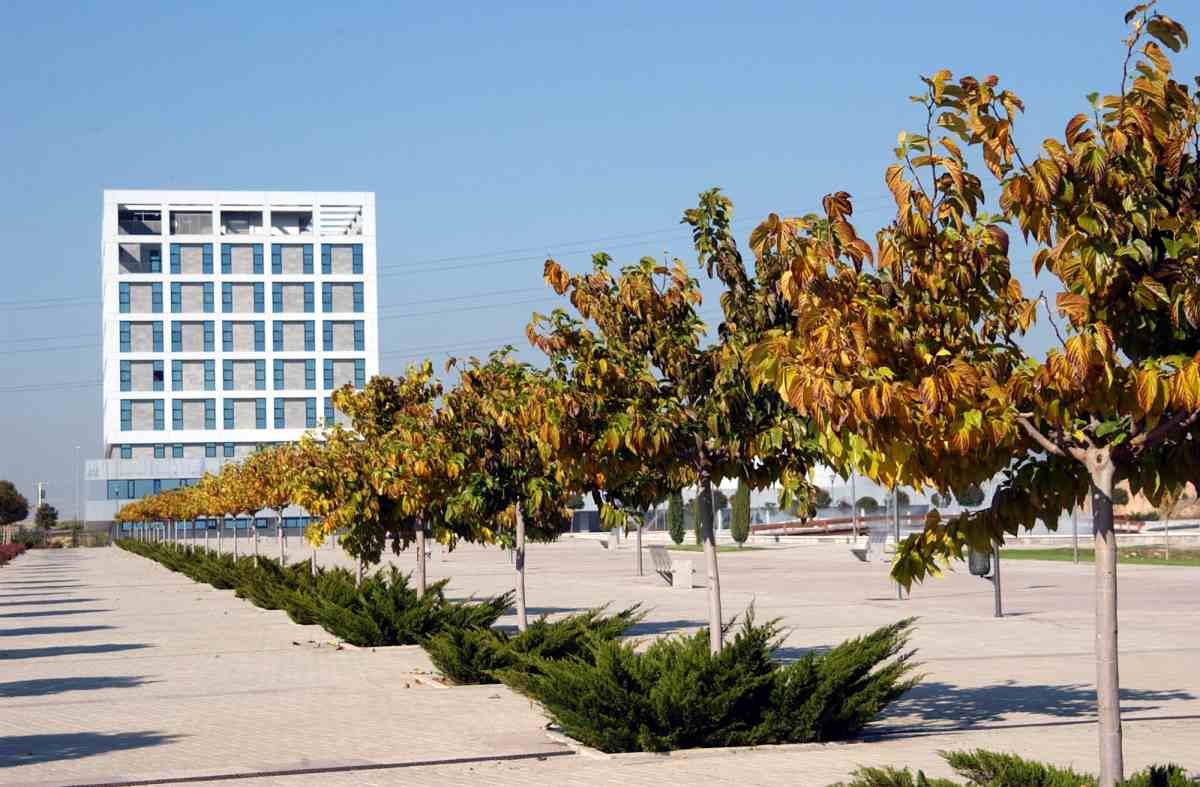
(113, 669)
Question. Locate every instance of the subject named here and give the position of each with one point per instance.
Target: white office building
(228, 319)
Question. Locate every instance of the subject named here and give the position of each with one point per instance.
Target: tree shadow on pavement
(42, 601)
(45, 613)
(653, 627)
(43, 687)
(16, 654)
(28, 749)
(40, 631)
(946, 706)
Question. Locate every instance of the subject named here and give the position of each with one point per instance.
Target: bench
(876, 539)
(675, 573)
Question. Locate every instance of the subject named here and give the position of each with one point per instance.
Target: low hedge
(982, 768)
(382, 610)
(468, 655)
(676, 695)
(10, 551)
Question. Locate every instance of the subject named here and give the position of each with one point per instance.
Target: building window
(160, 451)
(210, 450)
(177, 451)
(229, 450)
(126, 452)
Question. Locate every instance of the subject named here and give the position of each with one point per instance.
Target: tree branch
(1050, 316)
(1048, 445)
(1147, 440)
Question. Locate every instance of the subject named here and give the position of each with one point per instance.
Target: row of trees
(901, 360)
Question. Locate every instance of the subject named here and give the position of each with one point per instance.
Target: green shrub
(675, 517)
(983, 768)
(739, 525)
(383, 610)
(468, 655)
(676, 695)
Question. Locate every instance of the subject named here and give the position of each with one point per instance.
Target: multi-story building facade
(229, 318)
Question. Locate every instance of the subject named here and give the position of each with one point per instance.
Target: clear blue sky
(482, 130)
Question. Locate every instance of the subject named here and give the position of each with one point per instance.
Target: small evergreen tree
(867, 504)
(46, 516)
(739, 527)
(971, 496)
(694, 507)
(675, 517)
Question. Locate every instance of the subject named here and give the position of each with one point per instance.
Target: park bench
(876, 539)
(674, 573)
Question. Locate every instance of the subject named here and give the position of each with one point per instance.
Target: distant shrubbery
(990, 769)
(9, 551)
(383, 610)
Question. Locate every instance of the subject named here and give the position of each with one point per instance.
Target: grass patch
(700, 548)
(1148, 555)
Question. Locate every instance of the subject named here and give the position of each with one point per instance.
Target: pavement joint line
(379, 766)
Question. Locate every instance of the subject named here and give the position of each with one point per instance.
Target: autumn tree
(655, 396)
(909, 357)
(509, 485)
(399, 469)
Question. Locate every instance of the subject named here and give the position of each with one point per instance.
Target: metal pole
(854, 504)
(1075, 534)
(896, 529)
(641, 523)
(75, 475)
(996, 582)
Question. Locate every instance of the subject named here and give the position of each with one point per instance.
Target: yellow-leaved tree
(909, 355)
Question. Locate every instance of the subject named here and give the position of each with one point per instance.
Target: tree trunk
(254, 524)
(1167, 532)
(519, 560)
(1108, 684)
(639, 547)
(420, 558)
(716, 638)
(358, 577)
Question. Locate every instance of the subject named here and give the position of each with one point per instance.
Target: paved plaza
(115, 670)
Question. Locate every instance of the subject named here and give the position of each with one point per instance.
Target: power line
(51, 338)
(53, 349)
